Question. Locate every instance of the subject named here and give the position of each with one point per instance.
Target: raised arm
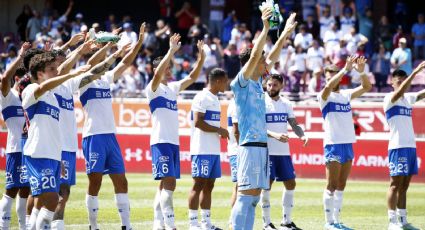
(298, 130)
(163, 65)
(199, 122)
(100, 55)
(332, 83)
(73, 41)
(70, 62)
(421, 95)
(69, 9)
(56, 81)
(366, 86)
(129, 58)
(257, 50)
(187, 81)
(5, 83)
(406, 83)
(273, 56)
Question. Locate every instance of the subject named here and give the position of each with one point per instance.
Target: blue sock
(249, 223)
(240, 211)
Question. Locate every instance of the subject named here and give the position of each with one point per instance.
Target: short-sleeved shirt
(232, 144)
(13, 116)
(201, 142)
(400, 55)
(419, 29)
(163, 106)
(315, 58)
(44, 140)
(250, 109)
(325, 25)
(399, 118)
(338, 118)
(347, 24)
(97, 102)
(278, 113)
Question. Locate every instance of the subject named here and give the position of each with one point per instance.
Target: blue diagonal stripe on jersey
(43, 108)
(212, 115)
(398, 111)
(65, 103)
(229, 121)
(336, 108)
(162, 102)
(12, 111)
(94, 93)
(276, 117)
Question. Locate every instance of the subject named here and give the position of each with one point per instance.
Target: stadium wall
(132, 118)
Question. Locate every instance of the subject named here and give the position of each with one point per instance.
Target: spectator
(326, 21)
(316, 81)
(185, 18)
(381, 67)
(231, 59)
(239, 34)
(228, 24)
(197, 32)
(96, 27)
(63, 35)
(256, 23)
(162, 34)
(366, 28)
(308, 7)
(383, 32)
(285, 55)
(34, 26)
(55, 20)
(77, 24)
(348, 20)
(165, 10)
(303, 39)
(298, 60)
(354, 40)
(418, 34)
(400, 13)
(312, 26)
(315, 57)
(331, 39)
(10, 55)
(402, 57)
(22, 21)
(216, 17)
(110, 22)
(128, 35)
(150, 38)
(399, 34)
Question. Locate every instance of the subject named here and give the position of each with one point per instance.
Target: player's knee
(209, 186)
(49, 200)
(198, 186)
(24, 192)
(169, 183)
(121, 185)
(290, 185)
(65, 191)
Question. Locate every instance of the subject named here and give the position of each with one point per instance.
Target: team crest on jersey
(46, 172)
(194, 168)
(33, 182)
(164, 159)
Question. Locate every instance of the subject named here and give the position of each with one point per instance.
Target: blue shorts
(16, 171)
(206, 166)
(253, 168)
(69, 161)
(165, 161)
(233, 162)
(103, 154)
(281, 168)
(340, 153)
(403, 162)
(43, 175)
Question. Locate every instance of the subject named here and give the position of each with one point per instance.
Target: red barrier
(370, 163)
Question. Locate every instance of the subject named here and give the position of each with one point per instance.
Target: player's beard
(273, 93)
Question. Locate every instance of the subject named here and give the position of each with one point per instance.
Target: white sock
(21, 211)
(158, 218)
(328, 203)
(33, 218)
(123, 205)
(5, 213)
(265, 206)
(288, 204)
(402, 216)
(392, 217)
(92, 204)
(167, 208)
(44, 219)
(193, 217)
(27, 221)
(58, 225)
(206, 217)
(338, 197)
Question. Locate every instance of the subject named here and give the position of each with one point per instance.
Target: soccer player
(339, 135)
(279, 113)
(100, 146)
(16, 181)
(164, 140)
(401, 147)
(43, 147)
(205, 148)
(253, 168)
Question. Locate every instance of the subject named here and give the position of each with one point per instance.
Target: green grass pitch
(364, 204)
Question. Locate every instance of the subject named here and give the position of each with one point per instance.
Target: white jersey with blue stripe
(338, 118)
(163, 106)
(67, 122)
(205, 143)
(347, 24)
(13, 116)
(277, 115)
(232, 144)
(44, 140)
(399, 118)
(97, 102)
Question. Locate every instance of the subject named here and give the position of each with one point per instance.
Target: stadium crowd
(327, 34)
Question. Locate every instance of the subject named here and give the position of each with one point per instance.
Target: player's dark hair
(216, 73)
(245, 55)
(277, 77)
(156, 61)
(39, 62)
(399, 73)
(28, 55)
(58, 53)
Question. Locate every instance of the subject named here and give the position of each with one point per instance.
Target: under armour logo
(137, 155)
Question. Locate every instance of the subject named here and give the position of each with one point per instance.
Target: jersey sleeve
(239, 83)
(28, 97)
(73, 84)
(198, 104)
